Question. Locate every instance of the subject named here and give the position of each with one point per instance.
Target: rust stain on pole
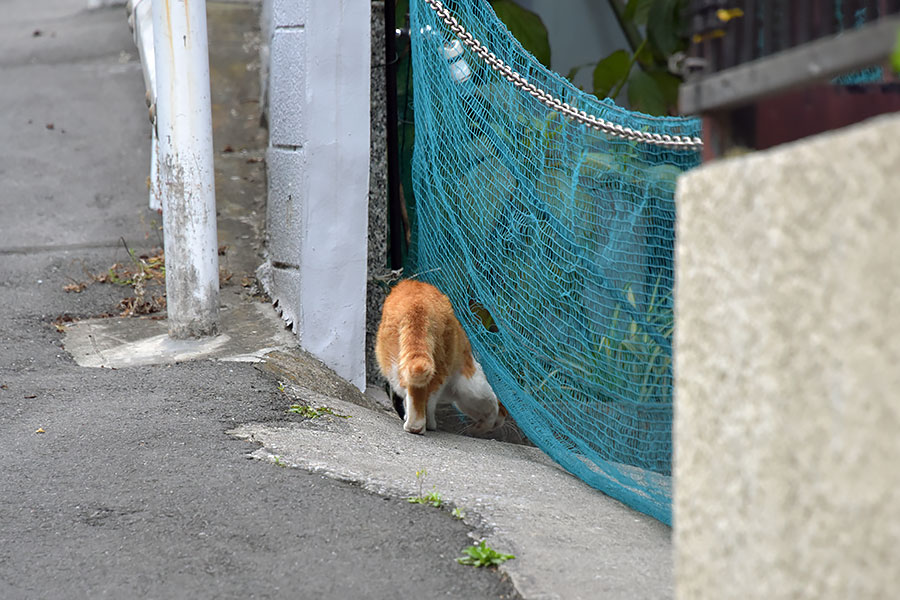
(171, 55)
(169, 25)
(187, 20)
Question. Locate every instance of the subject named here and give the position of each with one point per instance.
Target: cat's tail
(415, 364)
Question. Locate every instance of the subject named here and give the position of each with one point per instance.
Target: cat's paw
(415, 426)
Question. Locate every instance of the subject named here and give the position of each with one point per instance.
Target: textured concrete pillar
(318, 168)
(787, 432)
(378, 192)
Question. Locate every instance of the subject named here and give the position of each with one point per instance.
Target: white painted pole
(154, 191)
(185, 167)
(141, 22)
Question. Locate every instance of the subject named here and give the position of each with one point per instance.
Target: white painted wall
(318, 160)
(334, 256)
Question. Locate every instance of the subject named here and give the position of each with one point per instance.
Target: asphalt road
(133, 490)
(123, 483)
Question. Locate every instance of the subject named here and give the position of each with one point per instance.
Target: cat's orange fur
(424, 353)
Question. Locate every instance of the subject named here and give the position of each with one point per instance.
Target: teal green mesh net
(554, 242)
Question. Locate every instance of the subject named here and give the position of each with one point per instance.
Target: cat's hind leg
(430, 420)
(416, 406)
(474, 397)
(420, 406)
(398, 393)
(399, 403)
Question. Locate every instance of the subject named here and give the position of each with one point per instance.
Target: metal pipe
(185, 168)
(141, 21)
(395, 210)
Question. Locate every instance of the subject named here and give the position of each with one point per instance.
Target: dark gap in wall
(283, 265)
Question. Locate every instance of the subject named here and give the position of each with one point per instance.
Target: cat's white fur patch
(475, 398)
(471, 395)
(394, 379)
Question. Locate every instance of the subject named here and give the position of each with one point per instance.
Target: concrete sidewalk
(570, 541)
(138, 484)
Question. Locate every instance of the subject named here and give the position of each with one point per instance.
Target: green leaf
(645, 95)
(668, 85)
(610, 71)
(526, 27)
(400, 10)
(663, 26)
(895, 57)
(645, 55)
(637, 10)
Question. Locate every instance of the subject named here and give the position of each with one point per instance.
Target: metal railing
(727, 33)
(744, 49)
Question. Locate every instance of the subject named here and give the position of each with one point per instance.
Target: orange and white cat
(425, 355)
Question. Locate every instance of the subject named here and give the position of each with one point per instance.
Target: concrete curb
(570, 541)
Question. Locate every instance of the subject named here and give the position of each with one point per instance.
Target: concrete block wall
(286, 184)
(287, 86)
(286, 156)
(787, 349)
(317, 75)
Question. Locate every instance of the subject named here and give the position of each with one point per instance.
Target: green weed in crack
(482, 555)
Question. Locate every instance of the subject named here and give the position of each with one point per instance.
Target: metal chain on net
(614, 129)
